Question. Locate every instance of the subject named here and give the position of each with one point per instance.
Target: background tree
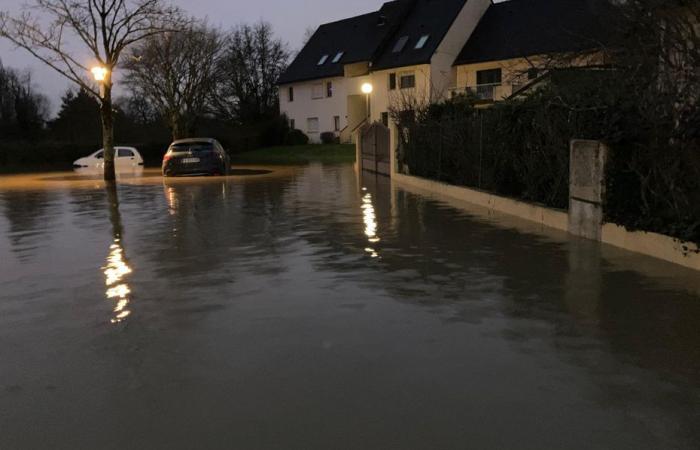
(104, 28)
(78, 119)
(252, 62)
(175, 73)
(23, 111)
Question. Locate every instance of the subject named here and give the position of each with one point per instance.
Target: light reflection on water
(118, 291)
(370, 218)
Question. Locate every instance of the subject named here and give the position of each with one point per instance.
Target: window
(290, 94)
(392, 81)
(292, 124)
(323, 60)
(338, 57)
(329, 89)
(400, 44)
(124, 153)
(492, 76)
(312, 125)
(407, 80)
(336, 123)
(532, 74)
(317, 91)
(421, 42)
(99, 155)
(385, 119)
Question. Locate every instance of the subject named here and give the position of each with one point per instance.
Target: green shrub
(328, 137)
(296, 137)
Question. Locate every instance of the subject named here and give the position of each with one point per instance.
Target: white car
(124, 158)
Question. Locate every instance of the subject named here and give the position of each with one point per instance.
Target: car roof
(119, 147)
(191, 140)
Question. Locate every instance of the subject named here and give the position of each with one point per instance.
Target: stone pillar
(587, 188)
(393, 148)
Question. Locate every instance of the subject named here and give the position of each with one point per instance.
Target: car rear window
(192, 146)
(124, 153)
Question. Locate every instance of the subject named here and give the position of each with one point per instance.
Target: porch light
(367, 88)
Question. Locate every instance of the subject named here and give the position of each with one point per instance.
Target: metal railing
(482, 91)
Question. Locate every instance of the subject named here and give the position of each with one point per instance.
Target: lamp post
(367, 89)
(103, 77)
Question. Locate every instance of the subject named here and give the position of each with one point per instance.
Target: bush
(296, 137)
(329, 137)
(520, 148)
(517, 148)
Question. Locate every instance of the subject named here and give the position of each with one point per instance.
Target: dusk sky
(290, 20)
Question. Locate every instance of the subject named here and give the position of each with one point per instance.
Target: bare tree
(252, 63)
(104, 29)
(176, 72)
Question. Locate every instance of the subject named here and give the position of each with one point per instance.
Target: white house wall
(304, 107)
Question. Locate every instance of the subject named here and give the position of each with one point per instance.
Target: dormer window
(422, 41)
(400, 44)
(323, 60)
(338, 57)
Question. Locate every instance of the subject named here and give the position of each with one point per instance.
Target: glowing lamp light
(367, 88)
(100, 73)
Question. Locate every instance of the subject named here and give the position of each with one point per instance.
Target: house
(517, 41)
(407, 46)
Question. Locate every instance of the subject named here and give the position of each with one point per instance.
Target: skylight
(338, 56)
(400, 44)
(323, 60)
(421, 42)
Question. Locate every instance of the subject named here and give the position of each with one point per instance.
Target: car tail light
(167, 157)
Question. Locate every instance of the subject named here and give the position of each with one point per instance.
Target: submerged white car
(124, 158)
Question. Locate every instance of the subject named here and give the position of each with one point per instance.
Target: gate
(374, 148)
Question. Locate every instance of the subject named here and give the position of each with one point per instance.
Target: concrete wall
(544, 216)
(588, 168)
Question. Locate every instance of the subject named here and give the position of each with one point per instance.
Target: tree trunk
(108, 133)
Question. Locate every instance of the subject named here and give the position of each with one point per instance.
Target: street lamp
(100, 74)
(367, 89)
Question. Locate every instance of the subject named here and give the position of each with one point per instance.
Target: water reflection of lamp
(117, 269)
(118, 291)
(370, 219)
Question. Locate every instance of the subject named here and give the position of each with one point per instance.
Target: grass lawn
(299, 154)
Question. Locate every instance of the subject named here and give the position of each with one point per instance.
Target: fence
(484, 150)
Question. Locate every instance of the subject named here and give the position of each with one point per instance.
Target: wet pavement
(305, 308)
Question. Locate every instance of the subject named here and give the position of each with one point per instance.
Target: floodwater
(306, 308)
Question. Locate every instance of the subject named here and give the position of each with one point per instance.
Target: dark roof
(358, 37)
(428, 17)
(518, 28)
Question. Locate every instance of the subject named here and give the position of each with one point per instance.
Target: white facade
(326, 103)
(314, 112)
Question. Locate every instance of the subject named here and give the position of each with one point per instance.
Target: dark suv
(201, 156)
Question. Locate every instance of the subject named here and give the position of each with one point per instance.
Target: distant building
(517, 41)
(406, 45)
(426, 50)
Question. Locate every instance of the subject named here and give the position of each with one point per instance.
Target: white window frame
(318, 91)
(309, 128)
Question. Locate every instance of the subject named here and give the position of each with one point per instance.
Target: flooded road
(304, 308)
